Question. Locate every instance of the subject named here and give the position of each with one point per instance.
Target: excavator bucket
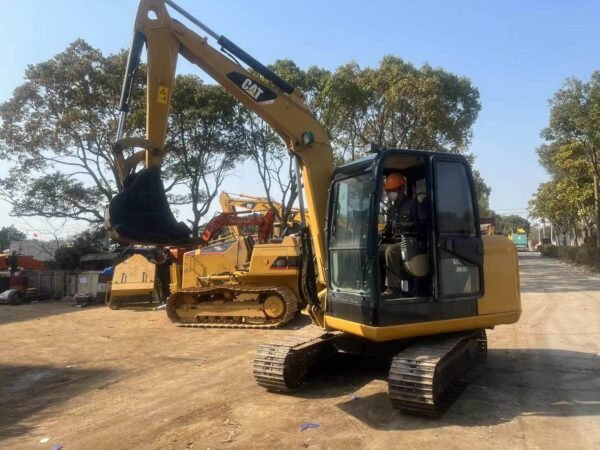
(141, 213)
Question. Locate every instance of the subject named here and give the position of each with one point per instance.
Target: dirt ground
(93, 378)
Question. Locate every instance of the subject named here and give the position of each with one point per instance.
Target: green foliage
(398, 105)
(483, 195)
(549, 250)
(87, 242)
(58, 126)
(395, 105)
(512, 223)
(569, 198)
(8, 234)
(571, 157)
(587, 255)
(203, 141)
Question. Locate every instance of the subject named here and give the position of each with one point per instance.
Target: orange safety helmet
(393, 181)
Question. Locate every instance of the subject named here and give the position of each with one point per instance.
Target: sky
(516, 53)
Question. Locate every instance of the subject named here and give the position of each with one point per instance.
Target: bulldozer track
(280, 366)
(428, 376)
(291, 307)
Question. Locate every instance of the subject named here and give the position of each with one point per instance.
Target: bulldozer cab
(442, 256)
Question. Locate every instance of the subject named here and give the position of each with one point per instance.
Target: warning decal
(163, 94)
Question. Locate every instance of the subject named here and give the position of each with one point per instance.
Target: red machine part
(226, 219)
(25, 262)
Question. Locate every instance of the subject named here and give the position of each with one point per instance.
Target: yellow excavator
(232, 203)
(434, 336)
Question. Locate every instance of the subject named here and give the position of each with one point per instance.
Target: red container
(18, 282)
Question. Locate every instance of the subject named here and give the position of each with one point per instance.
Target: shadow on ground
(38, 310)
(541, 274)
(532, 382)
(27, 391)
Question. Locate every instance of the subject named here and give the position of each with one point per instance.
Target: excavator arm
(232, 219)
(140, 213)
(229, 203)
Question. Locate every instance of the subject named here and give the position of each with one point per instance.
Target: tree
(399, 106)
(395, 106)
(85, 243)
(266, 149)
(273, 163)
(551, 202)
(483, 192)
(57, 129)
(571, 173)
(202, 140)
(513, 222)
(8, 234)
(575, 120)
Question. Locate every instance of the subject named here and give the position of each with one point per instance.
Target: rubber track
(420, 383)
(291, 306)
(273, 361)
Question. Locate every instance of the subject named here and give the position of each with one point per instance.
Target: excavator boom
(140, 212)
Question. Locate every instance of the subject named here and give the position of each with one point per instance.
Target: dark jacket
(406, 216)
(12, 261)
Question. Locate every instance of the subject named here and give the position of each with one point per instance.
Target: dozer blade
(141, 213)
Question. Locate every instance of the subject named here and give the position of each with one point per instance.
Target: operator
(13, 262)
(163, 269)
(403, 217)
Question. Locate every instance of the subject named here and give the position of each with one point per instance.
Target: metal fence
(61, 283)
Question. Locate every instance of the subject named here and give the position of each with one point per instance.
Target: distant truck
(519, 238)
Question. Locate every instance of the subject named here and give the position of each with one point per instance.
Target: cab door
(458, 248)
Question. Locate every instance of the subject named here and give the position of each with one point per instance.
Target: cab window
(455, 213)
(349, 233)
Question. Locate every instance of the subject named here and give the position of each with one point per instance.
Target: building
(40, 250)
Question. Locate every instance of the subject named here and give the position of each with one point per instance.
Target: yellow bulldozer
(229, 282)
(433, 331)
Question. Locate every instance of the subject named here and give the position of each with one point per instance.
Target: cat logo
(258, 91)
(252, 88)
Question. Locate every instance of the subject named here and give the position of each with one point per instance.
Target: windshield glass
(351, 211)
(349, 233)
(454, 202)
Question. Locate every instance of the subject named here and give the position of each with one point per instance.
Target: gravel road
(98, 379)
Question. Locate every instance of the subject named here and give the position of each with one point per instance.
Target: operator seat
(414, 248)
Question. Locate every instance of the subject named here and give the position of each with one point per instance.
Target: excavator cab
(442, 260)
